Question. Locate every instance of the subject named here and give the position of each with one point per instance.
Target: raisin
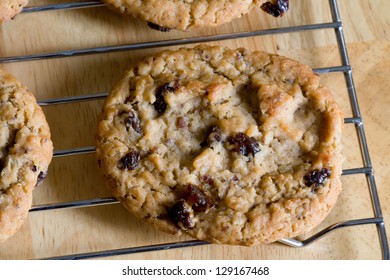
(208, 180)
(199, 201)
(276, 8)
(316, 178)
(129, 161)
(158, 27)
(180, 213)
(131, 121)
(215, 135)
(34, 168)
(172, 86)
(254, 144)
(244, 145)
(160, 105)
(42, 175)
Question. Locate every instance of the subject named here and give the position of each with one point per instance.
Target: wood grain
(60, 232)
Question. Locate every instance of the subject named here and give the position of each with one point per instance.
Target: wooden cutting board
(71, 178)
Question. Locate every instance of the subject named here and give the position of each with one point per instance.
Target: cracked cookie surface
(184, 14)
(229, 146)
(10, 8)
(25, 152)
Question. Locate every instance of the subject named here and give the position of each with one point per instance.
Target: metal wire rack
(356, 120)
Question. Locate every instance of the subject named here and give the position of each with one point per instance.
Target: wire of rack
(356, 120)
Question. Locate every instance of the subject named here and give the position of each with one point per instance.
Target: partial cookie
(25, 152)
(225, 145)
(10, 8)
(185, 15)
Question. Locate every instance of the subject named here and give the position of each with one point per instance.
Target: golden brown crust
(184, 15)
(10, 8)
(224, 145)
(25, 152)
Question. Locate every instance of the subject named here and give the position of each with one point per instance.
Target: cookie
(185, 15)
(229, 146)
(25, 152)
(10, 8)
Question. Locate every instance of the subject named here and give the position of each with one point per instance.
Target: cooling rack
(355, 120)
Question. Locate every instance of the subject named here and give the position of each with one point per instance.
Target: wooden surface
(60, 232)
